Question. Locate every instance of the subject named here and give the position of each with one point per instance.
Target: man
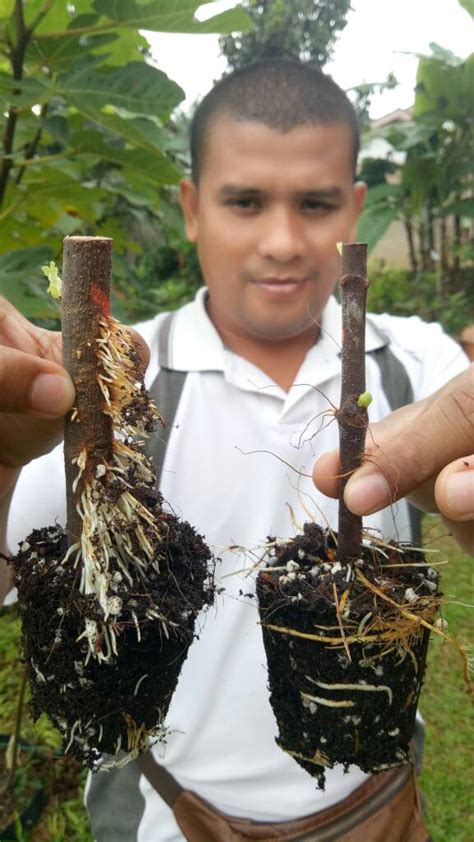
(274, 150)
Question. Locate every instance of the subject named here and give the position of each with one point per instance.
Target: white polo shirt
(237, 468)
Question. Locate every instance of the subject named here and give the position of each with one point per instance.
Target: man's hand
(417, 451)
(35, 392)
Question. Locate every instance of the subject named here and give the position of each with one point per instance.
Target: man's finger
(326, 473)
(407, 451)
(30, 384)
(141, 346)
(454, 490)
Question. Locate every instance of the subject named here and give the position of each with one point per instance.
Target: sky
(373, 43)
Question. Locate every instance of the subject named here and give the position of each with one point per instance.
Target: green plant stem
(10, 782)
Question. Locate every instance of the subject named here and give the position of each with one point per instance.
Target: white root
(330, 703)
(71, 737)
(112, 530)
(137, 685)
(372, 688)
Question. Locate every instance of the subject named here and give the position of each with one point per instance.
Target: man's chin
(275, 332)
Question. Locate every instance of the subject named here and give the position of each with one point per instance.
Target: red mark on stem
(100, 299)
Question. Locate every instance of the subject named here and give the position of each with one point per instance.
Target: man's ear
(360, 192)
(189, 201)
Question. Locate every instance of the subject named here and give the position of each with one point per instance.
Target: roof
(400, 115)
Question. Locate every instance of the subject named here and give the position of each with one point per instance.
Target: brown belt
(386, 808)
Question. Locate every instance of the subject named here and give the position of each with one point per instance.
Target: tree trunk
(408, 224)
(444, 246)
(456, 273)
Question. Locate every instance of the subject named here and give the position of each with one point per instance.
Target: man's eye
(316, 205)
(243, 202)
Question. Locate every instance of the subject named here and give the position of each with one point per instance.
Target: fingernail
(459, 491)
(366, 494)
(51, 394)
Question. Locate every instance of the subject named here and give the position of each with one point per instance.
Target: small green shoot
(55, 282)
(364, 400)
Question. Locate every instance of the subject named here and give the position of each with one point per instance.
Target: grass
(447, 780)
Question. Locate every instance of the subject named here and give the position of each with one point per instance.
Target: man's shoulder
(408, 333)
(429, 356)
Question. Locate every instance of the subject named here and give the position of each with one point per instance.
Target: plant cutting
(346, 620)
(108, 604)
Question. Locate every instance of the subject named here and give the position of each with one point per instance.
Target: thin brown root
(319, 759)
(333, 641)
(419, 620)
(339, 618)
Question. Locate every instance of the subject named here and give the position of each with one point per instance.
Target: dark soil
(95, 704)
(369, 728)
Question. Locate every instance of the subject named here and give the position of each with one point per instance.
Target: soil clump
(110, 706)
(346, 649)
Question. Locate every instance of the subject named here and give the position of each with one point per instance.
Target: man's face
(267, 214)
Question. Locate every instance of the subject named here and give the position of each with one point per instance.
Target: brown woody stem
(85, 301)
(352, 418)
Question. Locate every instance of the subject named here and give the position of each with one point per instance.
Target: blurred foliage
(431, 192)
(362, 95)
(86, 145)
(398, 292)
(303, 29)
(163, 276)
(374, 171)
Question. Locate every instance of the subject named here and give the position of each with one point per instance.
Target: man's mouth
(280, 286)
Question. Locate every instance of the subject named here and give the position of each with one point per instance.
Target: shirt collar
(195, 344)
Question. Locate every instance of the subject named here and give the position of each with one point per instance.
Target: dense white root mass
(108, 619)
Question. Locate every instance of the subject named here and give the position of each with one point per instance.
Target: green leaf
(52, 195)
(140, 132)
(442, 54)
(59, 16)
(23, 94)
(444, 89)
(155, 168)
(21, 282)
(462, 207)
(135, 189)
(60, 53)
(127, 45)
(380, 194)
(57, 127)
(468, 5)
(373, 225)
(138, 88)
(6, 8)
(171, 16)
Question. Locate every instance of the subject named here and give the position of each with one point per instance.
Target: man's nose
(281, 236)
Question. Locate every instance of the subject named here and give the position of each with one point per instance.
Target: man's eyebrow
(319, 194)
(229, 190)
(325, 194)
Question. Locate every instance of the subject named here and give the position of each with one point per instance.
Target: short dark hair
(281, 94)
